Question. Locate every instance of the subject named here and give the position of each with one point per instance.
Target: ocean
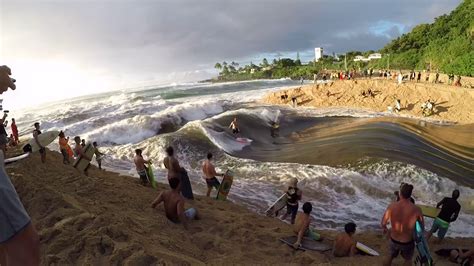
(348, 162)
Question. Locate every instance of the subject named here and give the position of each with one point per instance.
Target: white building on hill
(375, 56)
(318, 53)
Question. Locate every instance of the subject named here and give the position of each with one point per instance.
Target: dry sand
(453, 104)
(106, 219)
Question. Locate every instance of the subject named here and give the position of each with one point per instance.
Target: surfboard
(243, 140)
(279, 204)
(306, 244)
(186, 189)
(16, 158)
(429, 211)
(81, 163)
(44, 139)
(150, 175)
(424, 256)
(365, 249)
(225, 186)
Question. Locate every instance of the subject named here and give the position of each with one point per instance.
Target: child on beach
(301, 227)
(293, 195)
(345, 245)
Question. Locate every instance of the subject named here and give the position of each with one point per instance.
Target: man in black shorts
(210, 175)
(36, 133)
(234, 126)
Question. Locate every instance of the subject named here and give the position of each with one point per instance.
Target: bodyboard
(424, 256)
(44, 139)
(16, 158)
(151, 177)
(429, 211)
(186, 189)
(279, 204)
(81, 163)
(225, 186)
(366, 250)
(306, 244)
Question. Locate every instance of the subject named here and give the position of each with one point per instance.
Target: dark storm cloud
(166, 36)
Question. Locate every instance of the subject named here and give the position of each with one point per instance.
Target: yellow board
(429, 211)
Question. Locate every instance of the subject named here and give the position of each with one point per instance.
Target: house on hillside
(358, 58)
(375, 56)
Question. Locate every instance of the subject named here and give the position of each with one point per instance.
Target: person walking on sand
(210, 175)
(293, 195)
(142, 170)
(301, 227)
(42, 150)
(14, 130)
(345, 245)
(79, 151)
(402, 216)
(98, 155)
(450, 209)
(174, 205)
(172, 164)
(64, 147)
(234, 126)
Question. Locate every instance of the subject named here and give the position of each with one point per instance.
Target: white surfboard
(366, 249)
(16, 158)
(44, 139)
(279, 204)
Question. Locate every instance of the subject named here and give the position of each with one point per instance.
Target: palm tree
(218, 66)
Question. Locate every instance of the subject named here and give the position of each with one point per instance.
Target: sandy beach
(106, 219)
(453, 104)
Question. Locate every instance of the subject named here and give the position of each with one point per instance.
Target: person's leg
(407, 252)
(288, 211)
(294, 211)
(209, 189)
(99, 163)
(393, 253)
(23, 249)
(435, 227)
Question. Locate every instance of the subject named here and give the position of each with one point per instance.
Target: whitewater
(348, 161)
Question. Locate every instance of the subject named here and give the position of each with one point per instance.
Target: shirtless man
(210, 175)
(36, 133)
(402, 215)
(345, 245)
(234, 126)
(140, 166)
(172, 164)
(174, 205)
(79, 151)
(301, 227)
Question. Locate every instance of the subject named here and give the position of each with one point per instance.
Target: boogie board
(424, 256)
(151, 177)
(306, 243)
(225, 186)
(366, 250)
(44, 139)
(243, 140)
(81, 163)
(186, 189)
(16, 158)
(429, 211)
(279, 204)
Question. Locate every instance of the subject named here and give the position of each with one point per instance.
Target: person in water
(36, 133)
(293, 195)
(172, 164)
(402, 216)
(345, 245)
(234, 126)
(98, 155)
(65, 148)
(450, 209)
(140, 166)
(80, 153)
(301, 227)
(210, 175)
(174, 205)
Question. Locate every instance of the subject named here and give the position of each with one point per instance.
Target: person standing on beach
(293, 195)
(301, 227)
(42, 150)
(79, 151)
(14, 130)
(450, 209)
(402, 216)
(210, 175)
(418, 78)
(140, 166)
(98, 155)
(172, 164)
(65, 148)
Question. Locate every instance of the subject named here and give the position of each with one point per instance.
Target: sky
(65, 48)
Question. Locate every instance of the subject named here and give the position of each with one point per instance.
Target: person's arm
(440, 203)
(455, 215)
(385, 220)
(353, 251)
(466, 254)
(157, 201)
(182, 217)
(231, 123)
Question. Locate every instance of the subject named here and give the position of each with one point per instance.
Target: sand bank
(106, 219)
(453, 104)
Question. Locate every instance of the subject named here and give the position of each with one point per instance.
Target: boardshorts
(213, 182)
(406, 249)
(13, 216)
(143, 175)
(441, 226)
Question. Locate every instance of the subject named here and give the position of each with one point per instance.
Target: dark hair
(13, 119)
(307, 207)
(61, 133)
(209, 155)
(169, 151)
(138, 151)
(174, 182)
(455, 194)
(77, 139)
(36, 124)
(83, 140)
(94, 143)
(406, 190)
(350, 227)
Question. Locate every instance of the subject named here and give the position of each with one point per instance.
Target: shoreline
(453, 104)
(109, 218)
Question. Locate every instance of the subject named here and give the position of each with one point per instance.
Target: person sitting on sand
(210, 175)
(301, 227)
(140, 166)
(293, 195)
(36, 133)
(402, 216)
(98, 155)
(234, 126)
(449, 213)
(172, 164)
(174, 205)
(345, 245)
(463, 258)
(79, 151)
(65, 148)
